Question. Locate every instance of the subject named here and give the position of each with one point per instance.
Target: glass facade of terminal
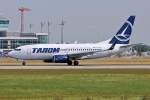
(4, 23)
(42, 39)
(11, 44)
(14, 42)
(3, 27)
(11, 40)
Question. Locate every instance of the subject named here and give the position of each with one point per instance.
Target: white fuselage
(47, 51)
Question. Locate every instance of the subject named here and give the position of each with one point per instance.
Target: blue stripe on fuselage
(45, 50)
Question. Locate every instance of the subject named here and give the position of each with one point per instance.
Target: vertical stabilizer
(124, 33)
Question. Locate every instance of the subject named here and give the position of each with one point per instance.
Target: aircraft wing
(75, 56)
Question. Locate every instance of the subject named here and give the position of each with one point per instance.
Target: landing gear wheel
(76, 63)
(23, 63)
(69, 62)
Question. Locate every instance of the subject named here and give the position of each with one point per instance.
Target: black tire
(69, 62)
(76, 63)
(23, 63)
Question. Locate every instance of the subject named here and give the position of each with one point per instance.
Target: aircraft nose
(11, 54)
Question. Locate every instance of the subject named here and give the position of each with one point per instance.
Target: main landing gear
(69, 62)
(75, 63)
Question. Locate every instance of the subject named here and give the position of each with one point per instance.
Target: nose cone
(11, 54)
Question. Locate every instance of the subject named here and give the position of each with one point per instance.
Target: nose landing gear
(23, 63)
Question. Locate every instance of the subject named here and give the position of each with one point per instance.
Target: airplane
(72, 53)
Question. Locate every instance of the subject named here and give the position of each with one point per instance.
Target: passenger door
(28, 51)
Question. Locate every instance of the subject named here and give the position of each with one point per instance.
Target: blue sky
(85, 20)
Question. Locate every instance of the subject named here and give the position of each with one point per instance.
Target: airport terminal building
(11, 40)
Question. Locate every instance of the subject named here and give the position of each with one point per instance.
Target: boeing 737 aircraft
(72, 53)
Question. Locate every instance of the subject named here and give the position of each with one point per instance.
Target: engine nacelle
(57, 59)
(60, 58)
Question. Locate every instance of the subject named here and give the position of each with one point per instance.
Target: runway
(146, 66)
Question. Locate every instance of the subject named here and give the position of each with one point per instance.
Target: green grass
(74, 84)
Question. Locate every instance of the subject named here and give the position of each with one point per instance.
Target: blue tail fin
(124, 33)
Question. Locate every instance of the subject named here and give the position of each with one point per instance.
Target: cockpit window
(17, 49)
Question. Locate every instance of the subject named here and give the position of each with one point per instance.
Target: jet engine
(58, 59)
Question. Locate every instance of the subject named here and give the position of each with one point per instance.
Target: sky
(85, 20)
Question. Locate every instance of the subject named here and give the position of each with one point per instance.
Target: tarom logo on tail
(124, 34)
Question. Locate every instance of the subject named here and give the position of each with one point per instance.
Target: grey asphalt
(61, 66)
